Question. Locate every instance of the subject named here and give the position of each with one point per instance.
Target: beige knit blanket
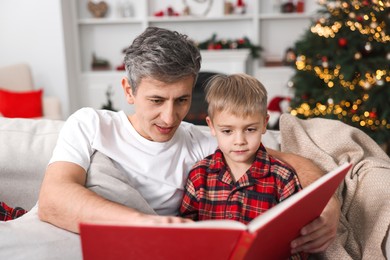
(365, 195)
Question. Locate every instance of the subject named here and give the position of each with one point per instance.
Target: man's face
(159, 107)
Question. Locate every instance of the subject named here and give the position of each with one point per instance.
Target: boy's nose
(239, 138)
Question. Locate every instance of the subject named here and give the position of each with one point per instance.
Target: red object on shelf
(300, 6)
(121, 67)
(159, 14)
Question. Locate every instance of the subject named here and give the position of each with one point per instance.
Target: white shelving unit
(107, 37)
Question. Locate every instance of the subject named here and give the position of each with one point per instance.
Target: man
(153, 147)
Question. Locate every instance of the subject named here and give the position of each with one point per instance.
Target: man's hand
(155, 219)
(319, 234)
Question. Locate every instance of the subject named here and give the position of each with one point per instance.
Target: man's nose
(168, 114)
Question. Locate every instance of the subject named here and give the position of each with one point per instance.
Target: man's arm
(319, 234)
(64, 201)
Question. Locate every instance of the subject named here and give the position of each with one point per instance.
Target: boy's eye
(226, 131)
(251, 129)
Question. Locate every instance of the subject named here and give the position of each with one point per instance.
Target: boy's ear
(128, 90)
(266, 119)
(210, 124)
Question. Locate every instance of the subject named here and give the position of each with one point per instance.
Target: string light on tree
(342, 66)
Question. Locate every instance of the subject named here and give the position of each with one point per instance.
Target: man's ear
(210, 124)
(128, 90)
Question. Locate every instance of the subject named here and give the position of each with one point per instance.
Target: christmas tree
(342, 66)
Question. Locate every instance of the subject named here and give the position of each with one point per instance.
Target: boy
(240, 180)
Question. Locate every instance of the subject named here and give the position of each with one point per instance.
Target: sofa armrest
(26, 148)
(52, 108)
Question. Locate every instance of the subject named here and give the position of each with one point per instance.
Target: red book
(267, 237)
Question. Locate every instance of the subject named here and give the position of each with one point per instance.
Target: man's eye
(182, 100)
(251, 129)
(156, 101)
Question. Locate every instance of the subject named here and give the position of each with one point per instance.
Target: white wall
(31, 32)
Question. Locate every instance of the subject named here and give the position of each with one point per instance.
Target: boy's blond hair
(239, 94)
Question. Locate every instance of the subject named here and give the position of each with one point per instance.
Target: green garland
(243, 43)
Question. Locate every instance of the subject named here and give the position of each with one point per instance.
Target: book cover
(268, 236)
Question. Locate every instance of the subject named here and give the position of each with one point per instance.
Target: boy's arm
(64, 201)
(189, 206)
(320, 233)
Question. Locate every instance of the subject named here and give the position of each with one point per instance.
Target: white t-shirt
(158, 170)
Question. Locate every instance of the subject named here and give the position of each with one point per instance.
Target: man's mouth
(164, 130)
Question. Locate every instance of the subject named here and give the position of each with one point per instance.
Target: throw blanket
(7, 213)
(365, 196)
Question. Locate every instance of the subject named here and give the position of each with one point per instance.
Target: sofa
(27, 145)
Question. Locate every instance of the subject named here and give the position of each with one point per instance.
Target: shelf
(280, 16)
(199, 18)
(107, 36)
(169, 19)
(104, 73)
(95, 21)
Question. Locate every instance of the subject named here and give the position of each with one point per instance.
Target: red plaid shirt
(211, 192)
(8, 213)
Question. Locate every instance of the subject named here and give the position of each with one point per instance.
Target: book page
(322, 188)
(215, 223)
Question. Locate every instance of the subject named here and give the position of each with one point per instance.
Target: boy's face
(159, 107)
(238, 138)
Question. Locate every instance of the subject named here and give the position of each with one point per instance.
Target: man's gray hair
(163, 55)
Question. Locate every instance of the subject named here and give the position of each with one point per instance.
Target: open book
(267, 237)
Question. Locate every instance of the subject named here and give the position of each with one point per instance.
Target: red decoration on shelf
(159, 14)
(121, 67)
(169, 12)
(240, 7)
(240, 3)
(300, 8)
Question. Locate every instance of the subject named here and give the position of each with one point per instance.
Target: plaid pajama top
(211, 192)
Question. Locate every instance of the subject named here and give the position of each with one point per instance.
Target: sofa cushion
(105, 179)
(26, 104)
(26, 147)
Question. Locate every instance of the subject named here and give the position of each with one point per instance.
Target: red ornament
(359, 18)
(373, 114)
(343, 42)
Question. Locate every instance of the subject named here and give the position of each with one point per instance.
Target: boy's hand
(320, 233)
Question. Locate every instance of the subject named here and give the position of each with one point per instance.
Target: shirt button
(230, 215)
